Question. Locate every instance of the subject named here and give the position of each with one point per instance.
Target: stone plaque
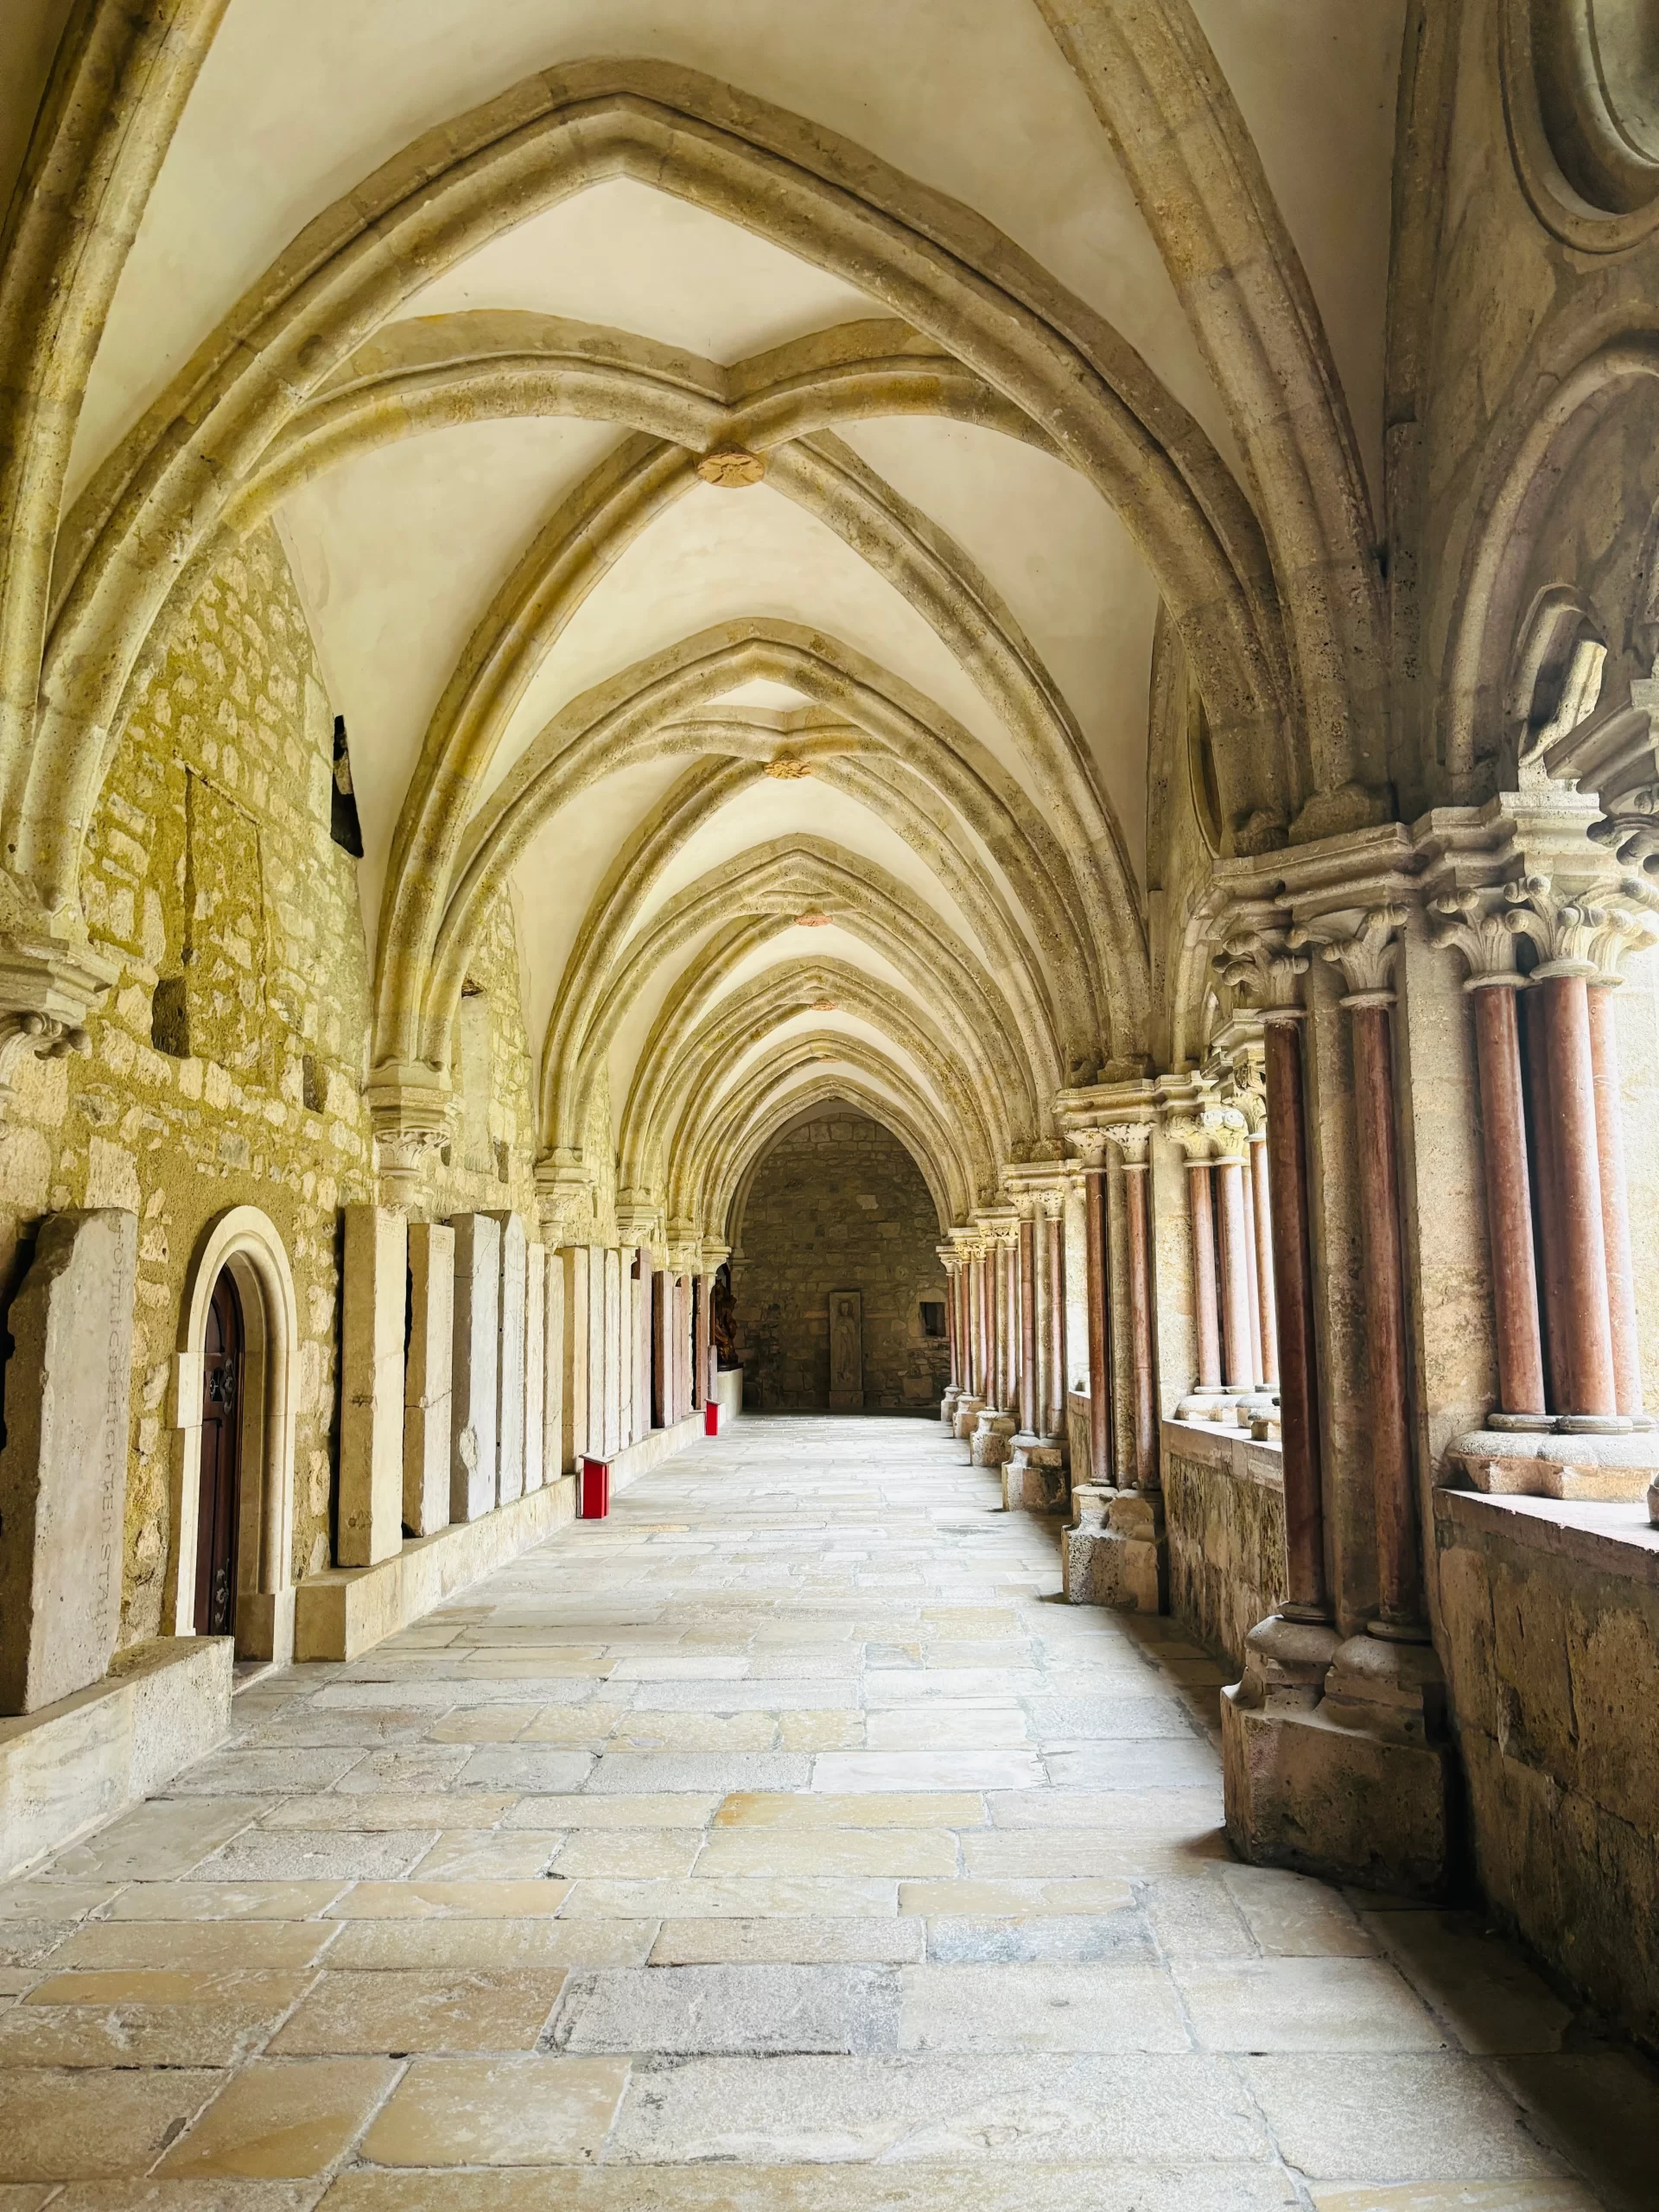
(846, 1352)
(63, 1473)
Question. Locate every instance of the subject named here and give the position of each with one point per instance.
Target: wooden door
(221, 1462)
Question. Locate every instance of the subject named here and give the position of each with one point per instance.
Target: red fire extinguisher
(593, 1490)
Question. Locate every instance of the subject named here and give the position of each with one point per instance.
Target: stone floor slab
(511, 2112)
(281, 2118)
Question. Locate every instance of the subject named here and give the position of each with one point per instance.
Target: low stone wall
(72, 1766)
(1224, 1510)
(1550, 1636)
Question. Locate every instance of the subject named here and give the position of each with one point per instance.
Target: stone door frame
(248, 1243)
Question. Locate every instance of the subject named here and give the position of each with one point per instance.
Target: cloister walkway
(785, 1841)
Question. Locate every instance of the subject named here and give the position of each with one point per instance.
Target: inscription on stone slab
(63, 1472)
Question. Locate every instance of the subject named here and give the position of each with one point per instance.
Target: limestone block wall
(1225, 1507)
(1551, 1640)
(838, 1203)
(226, 1063)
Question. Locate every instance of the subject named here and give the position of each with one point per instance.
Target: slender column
(951, 1333)
(1260, 964)
(1542, 1151)
(1028, 1402)
(1054, 1334)
(1007, 1321)
(976, 1293)
(1477, 928)
(1101, 1470)
(661, 1336)
(1252, 1289)
(700, 1343)
(1615, 1197)
(1201, 1215)
(644, 1413)
(1366, 960)
(1235, 1277)
(1134, 1141)
(1565, 1000)
(1262, 1246)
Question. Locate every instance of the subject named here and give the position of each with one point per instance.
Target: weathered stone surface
(536, 1258)
(509, 1367)
(1121, 1560)
(63, 1472)
(426, 1395)
(372, 1403)
(838, 1203)
(1225, 1512)
(474, 1377)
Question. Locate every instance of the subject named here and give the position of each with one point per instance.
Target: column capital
(1134, 1142)
(1265, 967)
(1579, 934)
(1363, 945)
(1479, 924)
(410, 1105)
(1090, 1146)
(49, 987)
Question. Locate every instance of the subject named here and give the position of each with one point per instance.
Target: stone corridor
(783, 1841)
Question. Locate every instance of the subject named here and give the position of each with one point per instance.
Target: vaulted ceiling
(832, 782)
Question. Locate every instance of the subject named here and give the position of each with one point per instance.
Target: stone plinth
(1034, 1479)
(1593, 1469)
(1117, 1555)
(968, 1412)
(509, 1361)
(948, 1409)
(1335, 1763)
(371, 1404)
(63, 1473)
(477, 1343)
(991, 1444)
(76, 1763)
(426, 1377)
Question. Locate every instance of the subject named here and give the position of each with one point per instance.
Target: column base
(1653, 1503)
(1335, 1759)
(1117, 1555)
(992, 1442)
(968, 1410)
(1593, 1469)
(1035, 1480)
(1211, 1405)
(948, 1409)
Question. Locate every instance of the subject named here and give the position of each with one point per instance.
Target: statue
(847, 1352)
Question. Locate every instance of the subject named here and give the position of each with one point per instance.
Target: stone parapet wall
(1224, 1512)
(838, 1203)
(1549, 1618)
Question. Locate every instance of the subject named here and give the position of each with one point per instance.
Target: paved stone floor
(784, 1842)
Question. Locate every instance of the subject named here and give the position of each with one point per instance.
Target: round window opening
(1581, 83)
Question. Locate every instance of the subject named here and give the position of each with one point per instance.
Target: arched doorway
(219, 1499)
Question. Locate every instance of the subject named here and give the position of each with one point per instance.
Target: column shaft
(1029, 1414)
(1557, 1371)
(1253, 1291)
(1572, 1111)
(1398, 1572)
(700, 1346)
(952, 1334)
(1136, 1175)
(1101, 1468)
(1508, 1201)
(1206, 1318)
(1054, 1335)
(1615, 1199)
(1235, 1277)
(1261, 1201)
(1294, 1305)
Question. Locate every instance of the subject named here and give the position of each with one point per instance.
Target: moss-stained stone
(227, 1063)
(838, 1203)
(1225, 1520)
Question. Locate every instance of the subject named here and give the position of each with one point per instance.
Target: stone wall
(1224, 1510)
(838, 1203)
(227, 1063)
(1550, 1632)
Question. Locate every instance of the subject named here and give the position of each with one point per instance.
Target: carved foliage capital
(1264, 969)
(1365, 950)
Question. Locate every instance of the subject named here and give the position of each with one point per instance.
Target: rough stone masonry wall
(1225, 1512)
(227, 1063)
(838, 1205)
(1551, 1640)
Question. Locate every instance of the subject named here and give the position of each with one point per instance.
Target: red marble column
(1101, 1468)
(1543, 1150)
(1054, 1359)
(951, 1333)
(1394, 1490)
(1137, 1255)
(1261, 1243)
(1258, 1373)
(988, 1323)
(1008, 1365)
(1508, 1195)
(1028, 1412)
(1565, 1002)
(1205, 1313)
(1615, 1198)
(1299, 1422)
(1235, 1277)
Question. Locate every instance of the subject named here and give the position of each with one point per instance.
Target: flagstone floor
(785, 1844)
